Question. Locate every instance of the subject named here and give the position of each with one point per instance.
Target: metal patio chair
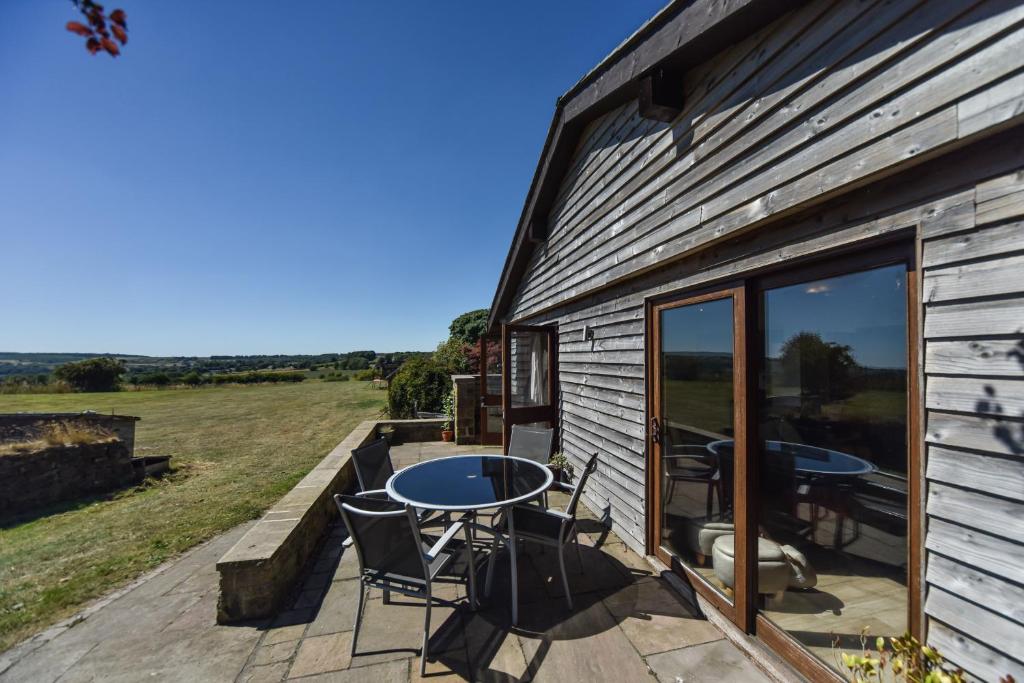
(531, 443)
(546, 527)
(373, 465)
(393, 556)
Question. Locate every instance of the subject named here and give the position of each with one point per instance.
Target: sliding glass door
(832, 443)
(699, 384)
(782, 471)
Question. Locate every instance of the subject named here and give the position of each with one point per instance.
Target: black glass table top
(469, 482)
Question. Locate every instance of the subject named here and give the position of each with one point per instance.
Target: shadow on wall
(1011, 434)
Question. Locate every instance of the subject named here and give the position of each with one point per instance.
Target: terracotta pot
(447, 435)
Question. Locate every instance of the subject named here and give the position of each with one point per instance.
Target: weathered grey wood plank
(1003, 634)
(630, 385)
(986, 357)
(988, 278)
(987, 473)
(976, 658)
(990, 241)
(819, 154)
(978, 318)
(981, 550)
(1002, 597)
(997, 397)
(996, 106)
(1005, 437)
(996, 516)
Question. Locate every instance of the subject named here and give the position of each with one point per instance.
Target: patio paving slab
(627, 624)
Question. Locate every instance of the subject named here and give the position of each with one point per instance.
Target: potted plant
(447, 434)
(561, 468)
(388, 433)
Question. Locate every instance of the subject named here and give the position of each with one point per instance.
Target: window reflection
(697, 411)
(833, 458)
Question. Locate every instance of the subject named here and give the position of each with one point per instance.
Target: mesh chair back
(574, 500)
(384, 534)
(532, 443)
(373, 465)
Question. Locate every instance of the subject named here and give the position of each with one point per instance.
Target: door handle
(655, 430)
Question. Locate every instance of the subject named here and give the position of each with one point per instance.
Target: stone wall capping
(261, 571)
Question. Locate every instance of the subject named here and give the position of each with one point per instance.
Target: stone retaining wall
(33, 479)
(467, 408)
(15, 425)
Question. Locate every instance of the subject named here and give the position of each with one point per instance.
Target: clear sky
(268, 177)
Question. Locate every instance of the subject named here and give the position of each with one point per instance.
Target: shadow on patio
(626, 620)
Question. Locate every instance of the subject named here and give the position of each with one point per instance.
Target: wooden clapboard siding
(828, 98)
(974, 399)
(839, 126)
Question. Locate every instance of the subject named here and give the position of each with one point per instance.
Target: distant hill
(21, 364)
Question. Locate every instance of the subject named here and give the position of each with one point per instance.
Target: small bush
(364, 375)
(94, 374)
(258, 377)
(419, 385)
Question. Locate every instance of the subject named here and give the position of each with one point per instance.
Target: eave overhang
(682, 35)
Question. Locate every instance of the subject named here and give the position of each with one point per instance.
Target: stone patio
(628, 625)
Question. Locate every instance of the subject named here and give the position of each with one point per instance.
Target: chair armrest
(568, 488)
(445, 539)
(529, 510)
(347, 543)
(375, 493)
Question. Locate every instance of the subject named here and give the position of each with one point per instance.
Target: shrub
(258, 377)
(94, 374)
(364, 375)
(468, 327)
(157, 379)
(335, 377)
(419, 385)
(193, 379)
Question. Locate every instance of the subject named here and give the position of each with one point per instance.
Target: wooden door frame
(738, 610)
(488, 400)
(892, 250)
(548, 412)
(865, 257)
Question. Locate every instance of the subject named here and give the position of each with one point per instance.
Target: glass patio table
(473, 483)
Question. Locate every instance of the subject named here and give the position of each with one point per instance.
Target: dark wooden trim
(548, 412)
(487, 400)
(737, 294)
(915, 445)
(661, 95)
(795, 653)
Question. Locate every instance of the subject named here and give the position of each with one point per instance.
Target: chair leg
(490, 566)
(426, 634)
(471, 568)
(359, 617)
(565, 579)
(387, 597)
(579, 555)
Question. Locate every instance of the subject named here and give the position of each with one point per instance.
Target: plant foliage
(419, 385)
(95, 374)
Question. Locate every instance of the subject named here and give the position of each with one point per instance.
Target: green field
(235, 451)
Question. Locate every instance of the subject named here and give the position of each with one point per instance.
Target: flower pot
(447, 435)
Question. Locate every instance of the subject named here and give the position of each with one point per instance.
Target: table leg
(512, 560)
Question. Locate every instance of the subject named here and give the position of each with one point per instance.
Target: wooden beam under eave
(661, 95)
(538, 231)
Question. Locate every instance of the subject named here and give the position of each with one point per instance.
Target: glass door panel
(491, 424)
(832, 445)
(697, 389)
(530, 384)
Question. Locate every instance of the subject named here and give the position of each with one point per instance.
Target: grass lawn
(236, 451)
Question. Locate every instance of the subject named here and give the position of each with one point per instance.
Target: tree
(825, 370)
(94, 374)
(452, 355)
(468, 327)
(193, 379)
(100, 30)
(419, 385)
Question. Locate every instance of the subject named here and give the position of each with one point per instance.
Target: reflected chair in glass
(695, 463)
(393, 556)
(553, 528)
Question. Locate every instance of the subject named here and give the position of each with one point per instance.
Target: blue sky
(274, 177)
